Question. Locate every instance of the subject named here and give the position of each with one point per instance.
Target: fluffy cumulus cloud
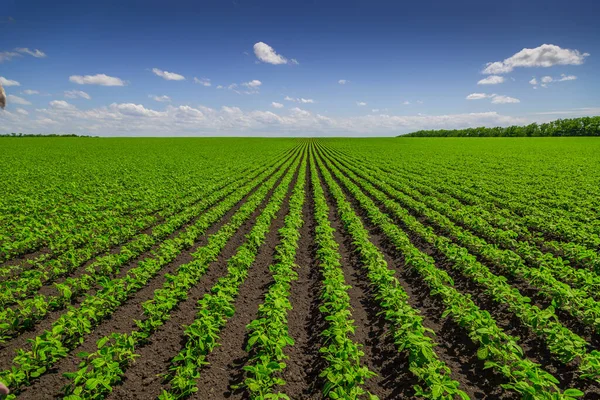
(478, 96)
(130, 119)
(496, 98)
(299, 100)
(8, 82)
(161, 99)
(170, 76)
(499, 99)
(253, 84)
(343, 81)
(546, 55)
(276, 105)
(61, 105)
(202, 81)
(267, 54)
(533, 81)
(30, 92)
(74, 94)
(491, 80)
(406, 102)
(98, 79)
(361, 103)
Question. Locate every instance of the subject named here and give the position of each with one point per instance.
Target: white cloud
(533, 81)
(343, 81)
(375, 110)
(30, 92)
(8, 55)
(253, 84)
(130, 119)
(491, 80)
(17, 100)
(170, 76)
(73, 94)
(419, 101)
(220, 87)
(361, 103)
(162, 99)
(202, 81)
(276, 105)
(22, 111)
(267, 54)
(546, 55)
(406, 102)
(496, 98)
(98, 79)
(35, 53)
(479, 96)
(61, 104)
(547, 80)
(564, 77)
(8, 82)
(299, 100)
(499, 99)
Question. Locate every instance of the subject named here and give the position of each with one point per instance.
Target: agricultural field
(400, 268)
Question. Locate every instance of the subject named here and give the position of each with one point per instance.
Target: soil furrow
(302, 367)
(454, 346)
(49, 385)
(44, 324)
(224, 371)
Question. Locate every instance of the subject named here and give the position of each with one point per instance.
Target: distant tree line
(585, 126)
(41, 135)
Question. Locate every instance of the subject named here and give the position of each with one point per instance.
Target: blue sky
(407, 66)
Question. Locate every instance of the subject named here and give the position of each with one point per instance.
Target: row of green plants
(546, 273)
(218, 306)
(268, 334)
(560, 217)
(499, 229)
(344, 376)
(499, 350)
(563, 343)
(28, 281)
(519, 184)
(70, 329)
(50, 205)
(98, 236)
(441, 195)
(100, 371)
(14, 320)
(405, 323)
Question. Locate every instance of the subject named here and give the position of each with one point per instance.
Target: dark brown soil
(303, 366)
(393, 378)
(50, 384)
(454, 346)
(224, 371)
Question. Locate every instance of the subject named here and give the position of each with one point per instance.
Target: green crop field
(434, 268)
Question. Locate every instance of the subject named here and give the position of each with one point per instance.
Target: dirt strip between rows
(50, 384)
(454, 346)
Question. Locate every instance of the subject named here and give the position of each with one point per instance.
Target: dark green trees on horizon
(585, 126)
